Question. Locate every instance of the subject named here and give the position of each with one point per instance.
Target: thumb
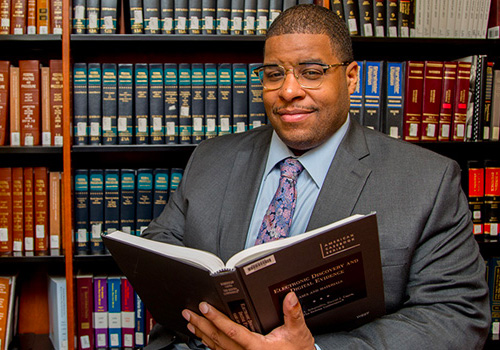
(294, 318)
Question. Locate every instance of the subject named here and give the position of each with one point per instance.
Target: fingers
(295, 323)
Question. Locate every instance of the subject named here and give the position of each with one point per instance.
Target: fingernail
(293, 300)
(204, 307)
(186, 315)
(190, 327)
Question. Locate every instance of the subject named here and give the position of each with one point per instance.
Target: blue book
(240, 97)
(111, 200)
(156, 101)
(114, 312)
(96, 210)
(140, 322)
(372, 114)
(185, 116)
(80, 104)
(356, 106)
(171, 103)
(141, 99)
(224, 99)
(198, 101)
(127, 201)
(125, 103)
(94, 102)
(175, 178)
(109, 104)
(211, 116)
(81, 193)
(160, 191)
(394, 98)
(144, 200)
(256, 110)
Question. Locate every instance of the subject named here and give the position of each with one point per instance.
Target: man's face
(305, 118)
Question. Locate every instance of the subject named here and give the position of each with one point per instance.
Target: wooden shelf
(47, 156)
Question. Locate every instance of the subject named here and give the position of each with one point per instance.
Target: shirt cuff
(317, 347)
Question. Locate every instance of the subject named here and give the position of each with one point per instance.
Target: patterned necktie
(278, 218)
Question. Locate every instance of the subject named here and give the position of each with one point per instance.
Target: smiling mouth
(294, 114)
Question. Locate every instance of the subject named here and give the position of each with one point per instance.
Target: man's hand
(218, 332)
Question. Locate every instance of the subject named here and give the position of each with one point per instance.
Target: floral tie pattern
(278, 218)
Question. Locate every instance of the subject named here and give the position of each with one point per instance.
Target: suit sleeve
(446, 299)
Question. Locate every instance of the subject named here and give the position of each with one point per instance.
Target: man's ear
(351, 73)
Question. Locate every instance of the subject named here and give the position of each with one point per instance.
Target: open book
(335, 271)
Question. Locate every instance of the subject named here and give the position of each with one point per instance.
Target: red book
(431, 99)
(14, 110)
(45, 105)
(475, 196)
(17, 209)
(128, 314)
(5, 210)
(491, 197)
(460, 101)
(414, 81)
(55, 209)
(4, 101)
(18, 17)
(29, 228)
(494, 20)
(84, 310)
(447, 96)
(29, 71)
(41, 206)
(150, 322)
(5, 16)
(56, 102)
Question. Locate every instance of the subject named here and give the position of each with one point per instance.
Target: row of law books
(493, 278)
(163, 103)
(21, 17)
(30, 211)
(109, 313)
(484, 196)
(106, 200)
(31, 103)
(429, 100)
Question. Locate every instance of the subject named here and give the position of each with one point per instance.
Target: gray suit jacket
(435, 291)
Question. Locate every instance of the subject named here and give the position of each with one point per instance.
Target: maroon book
(460, 101)
(56, 102)
(447, 96)
(29, 77)
(84, 310)
(128, 314)
(431, 99)
(4, 101)
(414, 81)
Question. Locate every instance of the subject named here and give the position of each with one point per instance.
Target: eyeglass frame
(324, 66)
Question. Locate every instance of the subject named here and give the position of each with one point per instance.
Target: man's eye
(274, 75)
(311, 74)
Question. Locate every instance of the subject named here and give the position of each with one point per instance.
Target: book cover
(80, 104)
(154, 20)
(18, 16)
(185, 102)
(56, 16)
(334, 270)
(5, 210)
(237, 11)
(181, 12)
(209, 16)
(262, 17)
(29, 210)
(15, 107)
(141, 103)
(17, 209)
(460, 101)
(160, 190)
(100, 316)
(144, 199)
(58, 318)
(223, 16)
(250, 15)
(166, 16)
(56, 102)
(224, 99)
(198, 102)
(4, 101)
(109, 104)
(108, 16)
(256, 111)
(195, 17)
(351, 13)
(211, 100)
(431, 99)
(136, 17)
(96, 210)
(31, 15)
(372, 111)
(55, 210)
(394, 85)
(156, 104)
(111, 200)
(475, 194)
(175, 179)
(41, 208)
(84, 311)
(93, 10)
(240, 97)
(365, 8)
(171, 103)
(5, 8)
(79, 21)
(128, 313)
(491, 197)
(447, 96)
(81, 211)
(392, 8)
(379, 17)
(140, 322)
(29, 99)
(95, 103)
(46, 136)
(275, 9)
(357, 97)
(127, 200)
(125, 103)
(114, 311)
(414, 79)
(404, 18)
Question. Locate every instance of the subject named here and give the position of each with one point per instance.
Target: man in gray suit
(435, 292)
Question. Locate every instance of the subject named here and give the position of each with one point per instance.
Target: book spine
(56, 16)
(477, 100)
(41, 206)
(167, 16)
(109, 104)
(491, 198)
(194, 15)
(153, 18)
(223, 16)
(488, 93)
(460, 101)
(5, 294)
(127, 200)
(15, 107)
(111, 200)
(413, 100)
(150, 322)
(181, 13)
(56, 102)
(175, 179)
(125, 103)
(240, 97)
(262, 19)
(185, 116)
(114, 311)
(79, 21)
(392, 18)
(45, 106)
(160, 192)
(4, 101)
(256, 111)
(356, 104)
(55, 221)
(5, 210)
(431, 99)
(136, 17)
(171, 103)
(379, 17)
(208, 14)
(5, 9)
(100, 316)
(96, 210)
(29, 98)
(351, 14)
(447, 95)
(85, 309)
(95, 102)
(395, 82)
(29, 211)
(31, 15)
(495, 107)
(140, 322)
(250, 15)
(198, 102)
(81, 211)
(224, 99)
(366, 17)
(156, 103)
(128, 314)
(17, 209)
(475, 195)
(236, 24)
(80, 104)
(19, 10)
(404, 18)
(141, 98)
(144, 199)
(211, 93)
(57, 312)
(289, 3)
(372, 113)
(108, 16)
(93, 9)
(275, 9)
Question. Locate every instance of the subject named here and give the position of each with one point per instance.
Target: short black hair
(315, 19)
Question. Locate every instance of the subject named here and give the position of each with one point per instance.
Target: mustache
(284, 109)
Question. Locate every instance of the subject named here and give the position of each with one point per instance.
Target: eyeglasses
(308, 75)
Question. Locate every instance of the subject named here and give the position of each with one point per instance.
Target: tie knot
(290, 168)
